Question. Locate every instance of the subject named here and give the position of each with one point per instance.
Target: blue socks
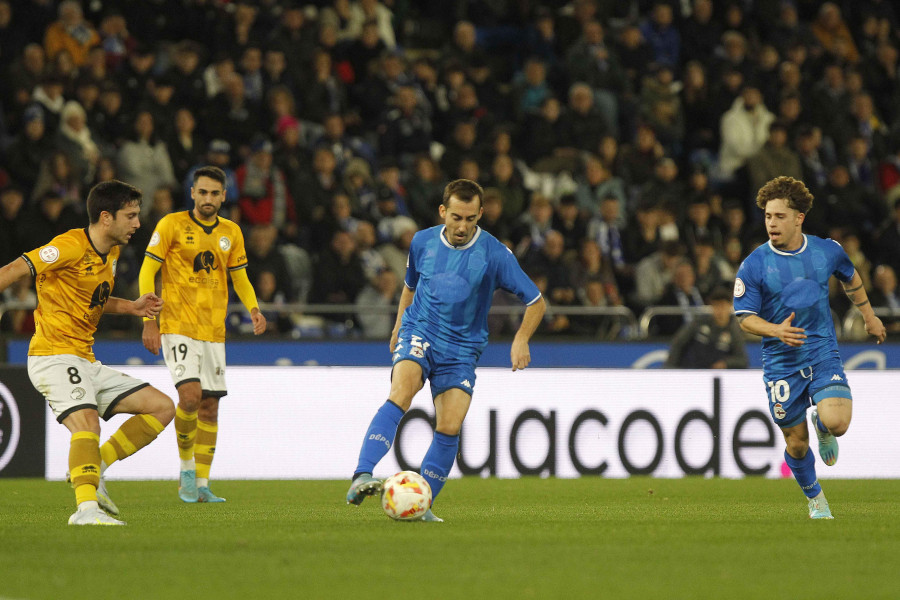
(804, 470)
(439, 460)
(820, 426)
(379, 437)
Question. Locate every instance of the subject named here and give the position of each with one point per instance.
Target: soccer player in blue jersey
(781, 294)
(441, 330)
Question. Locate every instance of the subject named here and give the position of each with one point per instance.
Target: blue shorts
(442, 372)
(790, 396)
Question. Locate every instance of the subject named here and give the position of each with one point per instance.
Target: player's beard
(207, 212)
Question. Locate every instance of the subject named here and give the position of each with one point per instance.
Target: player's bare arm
(13, 272)
(519, 354)
(860, 299)
(784, 331)
(406, 298)
(147, 305)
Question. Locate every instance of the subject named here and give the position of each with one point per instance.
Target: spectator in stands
(425, 189)
(569, 222)
(12, 201)
(406, 129)
(861, 165)
(583, 123)
(344, 147)
(263, 256)
(833, 34)
(711, 270)
(232, 116)
(143, 160)
(744, 130)
(47, 217)
(57, 175)
(681, 292)
(264, 197)
(655, 272)
(638, 159)
(530, 228)
(71, 33)
(184, 144)
(75, 140)
(665, 189)
(187, 76)
(710, 341)
(134, 75)
(773, 159)
(662, 35)
(48, 95)
(885, 294)
(594, 63)
(27, 151)
(463, 144)
(380, 291)
(595, 185)
(493, 219)
(338, 274)
(843, 202)
(508, 181)
(542, 137)
(889, 240)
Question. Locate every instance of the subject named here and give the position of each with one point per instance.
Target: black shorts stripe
(188, 380)
(212, 394)
(112, 405)
(65, 414)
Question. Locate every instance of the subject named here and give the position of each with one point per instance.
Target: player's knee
(189, 398)
(209, 410)
(797, 447)
(840, 427)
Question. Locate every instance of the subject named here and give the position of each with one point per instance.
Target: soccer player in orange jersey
(196, 251)
(75, 273)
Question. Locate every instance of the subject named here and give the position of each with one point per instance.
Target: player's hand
(151, 337)
(792, 336)
(148, 305)
(875, 327)
(519, 354)
(259, 321)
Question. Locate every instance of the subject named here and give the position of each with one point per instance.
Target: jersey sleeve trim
(30, 265)
(538, 297)
(153, 256)
(749, 312)
(238, 267)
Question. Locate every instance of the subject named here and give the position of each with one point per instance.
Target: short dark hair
(791, 190)
(464, 189)
(111, 196)
(214, 173)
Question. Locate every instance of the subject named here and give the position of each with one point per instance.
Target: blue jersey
(773, 283)
(454, 288)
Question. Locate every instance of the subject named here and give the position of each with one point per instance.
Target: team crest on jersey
(779, 411)
(224, 244)
(154, 239)
(49, 254)
(100, 295)
(417, 352)
(739, 288)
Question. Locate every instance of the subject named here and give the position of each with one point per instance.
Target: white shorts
(71, 383)
(195, 360)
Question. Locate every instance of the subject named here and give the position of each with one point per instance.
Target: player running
(441, 330)
(75, 273)
(197, 251)
(781, 293)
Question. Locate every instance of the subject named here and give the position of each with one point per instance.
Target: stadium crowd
(620, 143)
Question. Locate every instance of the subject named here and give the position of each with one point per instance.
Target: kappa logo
(836, 377)
(466, 383)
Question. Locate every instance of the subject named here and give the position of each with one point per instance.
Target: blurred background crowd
(620, 142)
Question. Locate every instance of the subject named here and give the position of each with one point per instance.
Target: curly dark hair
(790, 190)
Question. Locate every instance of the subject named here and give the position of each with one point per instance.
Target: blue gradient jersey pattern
(772, 284)
(454, 288)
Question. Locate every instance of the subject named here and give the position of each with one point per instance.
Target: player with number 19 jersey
(773, 283)
(454, 287)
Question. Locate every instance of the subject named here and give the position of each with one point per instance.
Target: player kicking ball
(441, 330)
(75, 273)
(781, 294)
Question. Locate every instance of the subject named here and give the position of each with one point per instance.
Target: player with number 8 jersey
(197, 252)
(75, 275)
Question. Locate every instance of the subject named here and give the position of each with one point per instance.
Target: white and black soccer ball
(406, 496)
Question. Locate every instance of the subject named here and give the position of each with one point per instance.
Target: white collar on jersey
(468, 245)
(794, 253)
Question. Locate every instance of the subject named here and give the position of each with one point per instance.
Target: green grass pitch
(528, 538)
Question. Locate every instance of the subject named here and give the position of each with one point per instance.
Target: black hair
(214, 173)
(111, 196)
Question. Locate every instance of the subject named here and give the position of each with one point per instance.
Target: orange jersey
(195, 258)
(73, 283)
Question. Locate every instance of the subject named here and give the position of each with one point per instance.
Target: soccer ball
(406, 496)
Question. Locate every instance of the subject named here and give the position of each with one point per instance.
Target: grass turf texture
(529, 538)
